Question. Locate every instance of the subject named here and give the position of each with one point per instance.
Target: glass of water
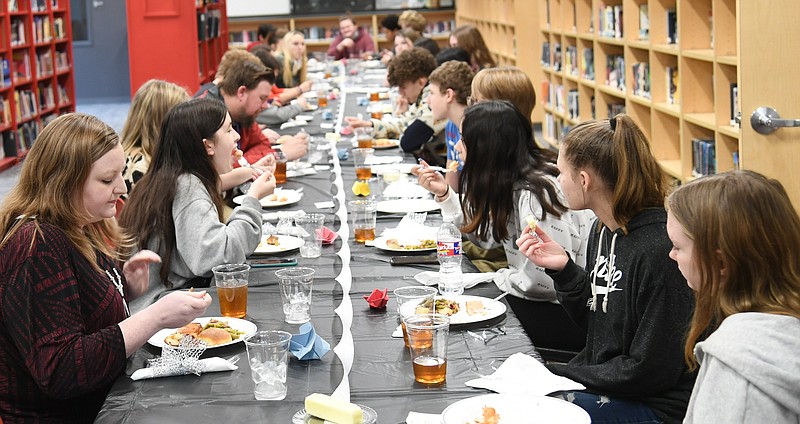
(268, 354)
(296, 286)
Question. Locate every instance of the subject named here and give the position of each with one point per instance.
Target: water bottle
(448, 250)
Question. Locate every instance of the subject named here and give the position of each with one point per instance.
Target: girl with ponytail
(632, 301)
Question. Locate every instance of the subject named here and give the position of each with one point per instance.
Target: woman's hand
(540, 249)
(137, 272)
(265, 164)
(431, 180)
(263, 186)
(179, 308)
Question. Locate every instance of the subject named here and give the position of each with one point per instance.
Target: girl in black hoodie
(632, 301)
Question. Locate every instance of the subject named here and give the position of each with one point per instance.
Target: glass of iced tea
(408, 299)
(374, 96)
(322, 98)
(363, 137)
(427, 338)
(375, 111)
(363, 214)
(361, 159)
(280, 168)
(231, 281)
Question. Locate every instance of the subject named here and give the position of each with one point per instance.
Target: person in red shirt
(65, 326)
(351, 40)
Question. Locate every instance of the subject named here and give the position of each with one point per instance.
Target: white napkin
(471, 279)
(420, 418)
(405, 189)
(207, 365)
(410, 232)
(301, 172)
(380, 160)
(523, 375)
(398, 332)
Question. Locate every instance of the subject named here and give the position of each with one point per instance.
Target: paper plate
(491, 309)
(381, 243)
(285, 244)
(518, 409)
(248, 327)
(407, 205)
(281, 197)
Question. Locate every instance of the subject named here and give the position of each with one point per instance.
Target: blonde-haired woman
(65, 329)
(150, 104)
(293, 59)
(470, 39)
(736, 239)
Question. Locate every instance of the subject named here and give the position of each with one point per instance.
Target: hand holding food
(262, 186)
(179, 308)
(540, 249)
(431, 180)
(295, 147)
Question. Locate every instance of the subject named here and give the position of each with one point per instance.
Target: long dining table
(379, 375)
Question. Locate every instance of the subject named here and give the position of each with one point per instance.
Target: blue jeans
(605, 410)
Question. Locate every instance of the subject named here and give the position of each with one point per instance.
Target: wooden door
(768, 76)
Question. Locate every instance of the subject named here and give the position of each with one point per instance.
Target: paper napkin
(523, 375)
(377, 299)
(307, 345)
(471, 279)
(204, 365)
(405, 190)
(420, 418)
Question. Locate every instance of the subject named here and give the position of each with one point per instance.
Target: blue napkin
(307, 345)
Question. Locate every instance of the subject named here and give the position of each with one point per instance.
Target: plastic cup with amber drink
(231, 281)
(280, 168)
(322, 98)
(409, 299)
(374, 96)
(427, 338)
(361, 159)
(375, 111)
(363, 137)
(363, 214)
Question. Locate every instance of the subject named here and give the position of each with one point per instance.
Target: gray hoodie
(749, 372)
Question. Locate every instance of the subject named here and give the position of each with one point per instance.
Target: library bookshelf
(672, 65)
(320, 29)
(37, 83)
(180, 41)
(510, 31)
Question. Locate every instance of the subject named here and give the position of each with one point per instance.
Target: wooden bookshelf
(440, 23)
(181, 41)
(704, 54)
(37, 83)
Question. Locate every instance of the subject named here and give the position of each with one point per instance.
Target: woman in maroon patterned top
(65, 330)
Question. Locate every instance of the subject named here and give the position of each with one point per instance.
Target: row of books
(44, 63)
(671, 82)
(572, 104)
(704, 157)
(5, 111)
(26, 106)
(38, 5)
(21, 66)
(583, 67)
(641, 79)
(59, 30)
(208, 24)
(609, 21)
(615, 71)
(42, 32)
(47, 99)
(18, 32)
(571, 60)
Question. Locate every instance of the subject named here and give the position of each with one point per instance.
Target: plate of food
(398, 245)
(385, 143)
(281, 197)
(215, 331)
(462, 309)
(275, 243)
(407, 205)
(518, 409)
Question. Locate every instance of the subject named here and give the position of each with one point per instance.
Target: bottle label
(448, 248)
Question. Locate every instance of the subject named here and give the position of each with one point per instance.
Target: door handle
(766, 120)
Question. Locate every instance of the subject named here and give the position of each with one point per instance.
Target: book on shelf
(671, 75)
(5, 111)
(556, 60)
(18, 32)
(557, 95)
(615, 109)
(587, 64)
(6, 69)
(644, 22)
(704, 157)
(615, 71)
(592, 104)
(572, 103)
(609, 21)
(21, 65)
(546, 54)
(672, 26)
(735, 111)
(711, 26)
(641, 79)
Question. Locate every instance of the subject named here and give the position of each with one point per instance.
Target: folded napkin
(327, 235)
(307, 345)
(523, 375)
(377, 299)
(405, 189)
(380, 160)
(203, 365)
(420, 418)
(471, 279)
(182, 360)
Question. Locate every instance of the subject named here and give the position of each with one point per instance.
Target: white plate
(237, 324)
(492, 309)
(291, 196)
(404, 168)
(380, 243)
(407, 205)
(517, 409)
(392, 143)
(285, 244)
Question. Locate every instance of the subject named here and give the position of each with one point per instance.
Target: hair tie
(612, 122)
